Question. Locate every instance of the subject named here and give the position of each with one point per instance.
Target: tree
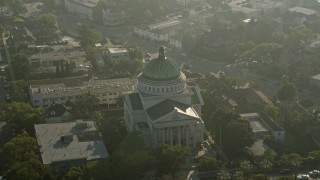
(274, 113)
(19, 91)
(292, 160)
(236, 136)
(208, 164)
(245, 167)
(88, 36)
(314, 157)
(75, 173)
(168, 158)
(17, 6)
(287, 90)
(48, 20)
(22, 159)
(23, 116)
(220, 118)
(265, 165)
(21, 66)
(132, 156)
(86, 106)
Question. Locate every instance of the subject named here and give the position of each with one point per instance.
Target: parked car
(314, 174)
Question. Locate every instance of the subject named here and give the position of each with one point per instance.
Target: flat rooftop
(302, 10)
(118, 50)
(96, 86)
(44, 62)
(164, 24)
(87, 3)
(316, 77)
(256, 122)
(54, 149)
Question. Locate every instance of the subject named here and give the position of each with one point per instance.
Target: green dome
(161, 69)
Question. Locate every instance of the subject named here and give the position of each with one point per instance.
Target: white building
(262, 126)
(107, 91)
(72, 144)
(187, 2)
(81, 8)
(252, 8)
(160, 32)
(164, 108)
(118, 54)
(114, 15)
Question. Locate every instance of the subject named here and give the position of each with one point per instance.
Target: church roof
(135, 101)
(161, 68)
(194, 98)
(165, 107)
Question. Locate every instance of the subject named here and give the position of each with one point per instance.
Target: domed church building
(163, 107)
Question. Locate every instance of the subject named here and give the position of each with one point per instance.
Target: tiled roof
(194, 98)
(135, 101)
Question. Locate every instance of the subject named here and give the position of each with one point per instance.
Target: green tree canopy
(17, 6)
(23, 116)
(168, 158)
(88, 36)
(132, 156)
(22, 159)
(287, 90)
(237, 135)
(19, 91)
(86, 106)
(208, 164)
(49, 20)
(21, 66)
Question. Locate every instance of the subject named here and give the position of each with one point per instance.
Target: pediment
(178, 115)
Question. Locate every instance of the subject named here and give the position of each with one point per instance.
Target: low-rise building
(160, 32)
(315, 80)
(107, 91)
(303, 15)
(59, 63)
(58, 113)
(263, 126)
(81, 8)
(118, 54)
(252, 8)
(72, 144)
(114, 15)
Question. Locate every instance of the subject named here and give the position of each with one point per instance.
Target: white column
(163, 135)
(179, 135)
(194, 136)
(171, 136)
(167, 134)
(187, 136)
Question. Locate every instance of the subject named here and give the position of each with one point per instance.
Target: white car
(303, 176)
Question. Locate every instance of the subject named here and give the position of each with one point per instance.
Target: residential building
(315, 80)
(252, 8)
(263, 126)
(81, 8)
(160, 32)
(163, 107)
(66, 145)
(114, 15)
(21, 37)
(187, 2)
(107, 91)
(303, 15)
(58, 113)
(118, 54)
(62, 62)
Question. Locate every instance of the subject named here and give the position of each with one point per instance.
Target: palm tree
(245, 167)
(223, 174)
(265, 165)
